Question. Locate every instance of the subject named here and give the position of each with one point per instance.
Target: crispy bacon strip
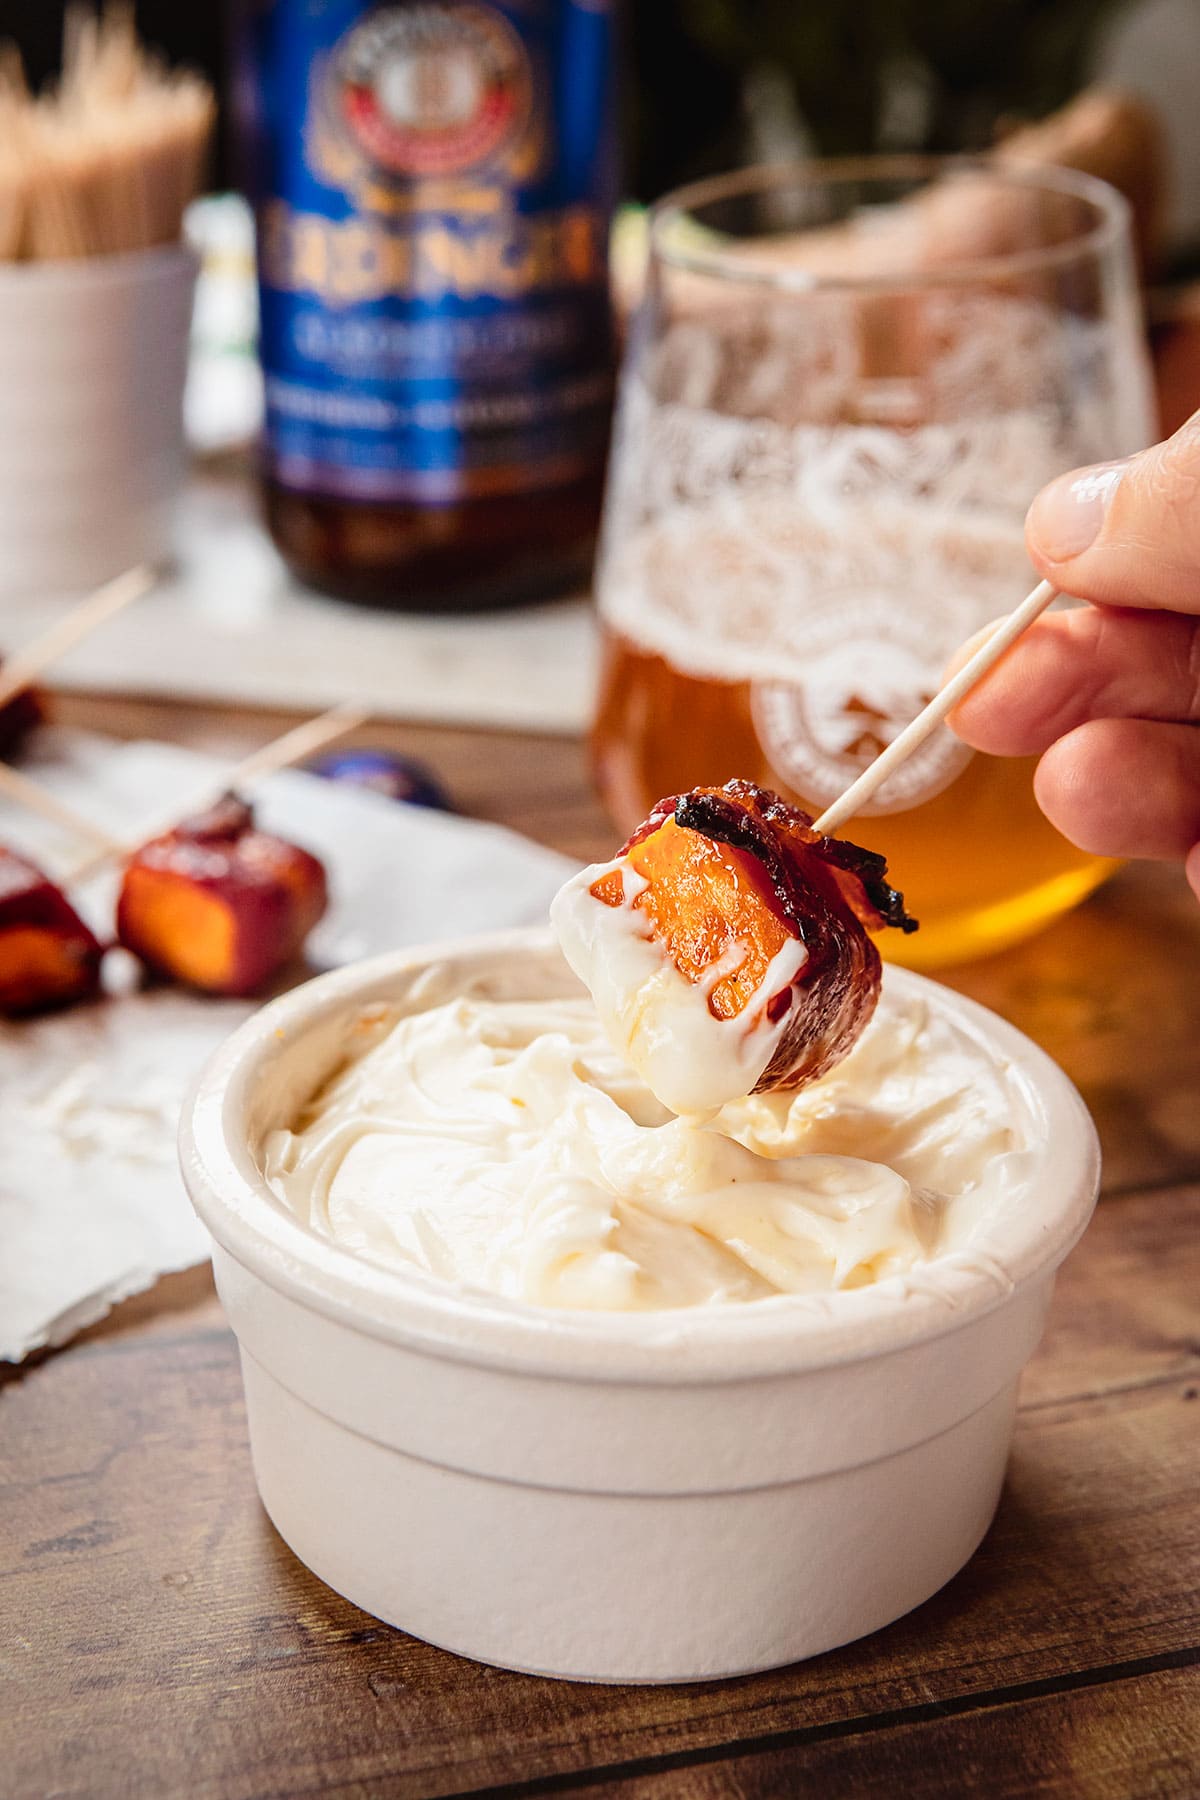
(217, 904)
(48, 957)
(739, 865)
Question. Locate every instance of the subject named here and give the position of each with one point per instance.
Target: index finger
(1125, 533)
(1089, 663)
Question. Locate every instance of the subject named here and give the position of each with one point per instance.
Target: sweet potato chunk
(708, 902)
(736, 871)
(218, 904)
(48, 957)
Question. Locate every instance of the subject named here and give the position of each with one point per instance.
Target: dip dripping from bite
(726, 946)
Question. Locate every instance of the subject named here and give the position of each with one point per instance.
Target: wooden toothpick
(944, 701)
(281, 753)
(24, 666)
(47, 805)
(301, 741)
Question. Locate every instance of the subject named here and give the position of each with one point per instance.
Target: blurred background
(716, 83)
(712, 84)
(824, 449)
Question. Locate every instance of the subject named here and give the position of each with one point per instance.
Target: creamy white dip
(504, 1146)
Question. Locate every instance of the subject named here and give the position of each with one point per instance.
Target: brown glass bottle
(490, 551)
(433, 185)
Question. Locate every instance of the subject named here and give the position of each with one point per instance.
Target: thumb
(1125, 533)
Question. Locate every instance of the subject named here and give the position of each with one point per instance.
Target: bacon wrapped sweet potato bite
(48, 957)
(218, 904)
(726, 947)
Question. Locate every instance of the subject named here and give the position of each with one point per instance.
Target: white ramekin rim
(720, 1343)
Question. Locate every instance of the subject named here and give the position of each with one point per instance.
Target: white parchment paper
(92, 1208)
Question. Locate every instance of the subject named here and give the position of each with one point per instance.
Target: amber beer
(846, 385)
(979, 864)
(433, 182)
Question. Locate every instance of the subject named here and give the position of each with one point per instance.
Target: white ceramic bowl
(621, 1497)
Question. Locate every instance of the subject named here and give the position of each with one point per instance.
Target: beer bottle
(433, 183)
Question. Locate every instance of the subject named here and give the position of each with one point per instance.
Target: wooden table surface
(158, 1638)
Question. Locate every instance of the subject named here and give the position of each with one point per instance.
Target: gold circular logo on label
(433, 90)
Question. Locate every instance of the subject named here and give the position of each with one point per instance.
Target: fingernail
(1066, 516)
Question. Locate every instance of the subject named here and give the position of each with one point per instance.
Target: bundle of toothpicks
(107, 160)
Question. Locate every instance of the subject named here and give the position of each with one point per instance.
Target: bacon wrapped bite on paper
(48, 957)
(726, 947)
(218, 904)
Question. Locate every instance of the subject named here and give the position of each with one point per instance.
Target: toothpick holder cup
(93, 358)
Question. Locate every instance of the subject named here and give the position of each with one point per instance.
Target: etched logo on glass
(867, 674)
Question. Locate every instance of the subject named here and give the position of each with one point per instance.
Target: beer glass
(843, 387)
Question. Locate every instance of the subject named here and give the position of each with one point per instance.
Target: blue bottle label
(433, 184)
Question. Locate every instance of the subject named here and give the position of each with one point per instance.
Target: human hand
(1109, 694)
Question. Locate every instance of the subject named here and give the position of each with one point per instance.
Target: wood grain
(166, 1641)
(1111, 992)
(1134, 1737)
(158, 1639)
(1127, 1303)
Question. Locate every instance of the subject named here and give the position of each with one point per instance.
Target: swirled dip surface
(504, 1146)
